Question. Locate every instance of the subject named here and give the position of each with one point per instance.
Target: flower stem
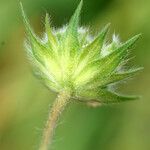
(57, 108)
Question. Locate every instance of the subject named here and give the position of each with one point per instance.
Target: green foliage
(70, 58)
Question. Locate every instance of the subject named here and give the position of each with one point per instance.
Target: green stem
(57, 108)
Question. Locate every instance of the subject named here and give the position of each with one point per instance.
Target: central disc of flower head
(69, 58)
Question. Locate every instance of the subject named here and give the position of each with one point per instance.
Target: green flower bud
(70, 58)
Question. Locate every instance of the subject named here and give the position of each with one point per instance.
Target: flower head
(70, 58)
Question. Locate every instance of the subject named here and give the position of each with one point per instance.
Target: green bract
(71, 59)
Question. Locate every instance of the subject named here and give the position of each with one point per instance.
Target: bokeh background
(24, 101)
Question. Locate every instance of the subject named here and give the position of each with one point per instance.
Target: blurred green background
(24, 102)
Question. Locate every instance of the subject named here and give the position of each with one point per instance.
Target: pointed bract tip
(102, 34)
(107, 26)
(136, 37)
(22, 10)
(79, 7)
(47, 18)
(139, 68)
(129, 43)
(20, 3)
(81, 3)
(139, 97)
(23, 14)
(136, 97)
(75, 18)
(21, 7)
(72, 28)
(105, 29)
(133, 97)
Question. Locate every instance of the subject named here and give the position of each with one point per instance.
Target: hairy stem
(53, 117)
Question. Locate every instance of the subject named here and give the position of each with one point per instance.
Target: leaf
(90, 51)
(120, 76)
(114, 78)
(104, 96)
(108, 97)
(71, 38)
(128, 44)
(37, 48)
(105, 66)
(51, 37)
(95, 46)
(111, 61)
(101, 67)
(27, 25)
